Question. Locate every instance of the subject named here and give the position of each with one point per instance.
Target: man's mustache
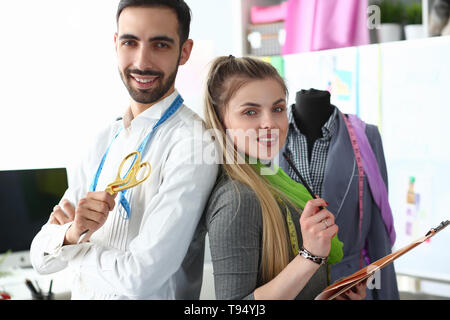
(148, 72)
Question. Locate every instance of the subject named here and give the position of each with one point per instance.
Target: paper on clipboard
(349, 282)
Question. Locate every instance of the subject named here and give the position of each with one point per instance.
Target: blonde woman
(268, 238)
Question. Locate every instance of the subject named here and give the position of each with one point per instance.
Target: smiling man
(149, 53)
(142, 243)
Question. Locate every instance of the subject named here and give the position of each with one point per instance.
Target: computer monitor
(27, 198)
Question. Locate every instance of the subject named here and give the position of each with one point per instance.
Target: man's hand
(62, 214)
(90, 214)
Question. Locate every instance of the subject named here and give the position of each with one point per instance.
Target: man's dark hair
(179, 6)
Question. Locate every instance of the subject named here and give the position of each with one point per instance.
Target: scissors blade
(82, 236)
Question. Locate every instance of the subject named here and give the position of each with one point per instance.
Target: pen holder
(44, 296)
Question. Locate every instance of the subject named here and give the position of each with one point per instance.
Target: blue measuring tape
(142, 149)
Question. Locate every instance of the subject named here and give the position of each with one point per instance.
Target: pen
(30, 286)
(291, 164)
(38, 287)
(299, 175)
(50, 288)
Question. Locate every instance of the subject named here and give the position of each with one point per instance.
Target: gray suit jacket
(340, 189)
(234, 222)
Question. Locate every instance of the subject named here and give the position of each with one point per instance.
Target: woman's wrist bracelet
(308, 255)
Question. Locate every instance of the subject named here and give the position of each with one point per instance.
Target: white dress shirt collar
(154, 112)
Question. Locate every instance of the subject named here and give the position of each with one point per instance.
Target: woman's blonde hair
(226, 76)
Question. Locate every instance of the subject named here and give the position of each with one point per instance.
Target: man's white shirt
(156, 253)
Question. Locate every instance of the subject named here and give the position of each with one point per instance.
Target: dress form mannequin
(335, 163)
(311, 111)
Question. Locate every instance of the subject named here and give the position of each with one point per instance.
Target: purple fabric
(313, 25)
(268, 14)
(376, 182)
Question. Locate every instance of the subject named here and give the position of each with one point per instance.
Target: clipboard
(341, 286)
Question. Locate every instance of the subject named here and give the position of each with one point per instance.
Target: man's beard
(154, 94)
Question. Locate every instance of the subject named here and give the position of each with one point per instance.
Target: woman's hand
(63, 213)
(358, 292)
(317, 226)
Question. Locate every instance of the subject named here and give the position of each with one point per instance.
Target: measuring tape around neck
(359, 164)
(176, 104)
(290, 224)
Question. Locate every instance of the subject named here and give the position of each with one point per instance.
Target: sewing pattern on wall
(335, 71)
(416, 212)
(415, 138)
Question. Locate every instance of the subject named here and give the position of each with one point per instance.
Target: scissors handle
(133, 181)
(130, 180)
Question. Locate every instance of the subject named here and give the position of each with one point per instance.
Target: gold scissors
(129, 181)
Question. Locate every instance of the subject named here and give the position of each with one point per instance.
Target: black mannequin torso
(311, 111)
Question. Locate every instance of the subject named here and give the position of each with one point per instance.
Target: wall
(402, 88)
(59, 82)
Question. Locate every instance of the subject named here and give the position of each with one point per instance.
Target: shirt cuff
(57, 239)
(56, 247)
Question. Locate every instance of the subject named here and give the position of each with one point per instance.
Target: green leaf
(392, 11)
(413, 13)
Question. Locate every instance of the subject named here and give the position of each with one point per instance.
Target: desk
(13, 283)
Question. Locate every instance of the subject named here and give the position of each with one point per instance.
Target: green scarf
(299, 196)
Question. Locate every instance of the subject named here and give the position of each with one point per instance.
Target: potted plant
(413, 21)
(392, 13)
